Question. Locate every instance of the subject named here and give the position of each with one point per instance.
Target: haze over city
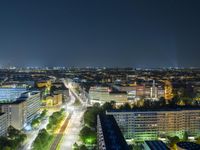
(132, 33)
(99, 75)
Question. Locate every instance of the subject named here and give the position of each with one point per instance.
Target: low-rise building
(105, 94)
(53, 99)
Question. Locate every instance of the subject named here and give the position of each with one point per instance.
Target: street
(72, 131)
(72, 128)
(32, 135)
(71, 134)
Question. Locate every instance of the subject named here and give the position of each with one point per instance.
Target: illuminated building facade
(149, 125)
(104, 94)
(168, 90)
(16, 113)
(22, 111)
(33, 104)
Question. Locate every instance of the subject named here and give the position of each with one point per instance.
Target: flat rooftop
(154, 109)
(157, 145)
(188, 145)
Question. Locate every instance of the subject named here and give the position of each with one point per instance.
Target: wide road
(71, 89)
(32, 135)
(60, 134)
(71, 134)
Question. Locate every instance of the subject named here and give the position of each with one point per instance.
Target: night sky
(113, 33)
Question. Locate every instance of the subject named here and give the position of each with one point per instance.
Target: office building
(103, 94)
(150, 125)
(109, 136)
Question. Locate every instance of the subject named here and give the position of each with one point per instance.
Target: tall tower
(154, 90)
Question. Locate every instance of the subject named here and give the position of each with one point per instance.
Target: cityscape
(100, 75)
(99, 108)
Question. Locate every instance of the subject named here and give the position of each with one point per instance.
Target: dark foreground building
(109, 136)
(187, 146)
(155, 145)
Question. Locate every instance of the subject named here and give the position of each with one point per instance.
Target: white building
(33, 104)
(16, 113)
(149, 125)
(22, 111)
(104, 94)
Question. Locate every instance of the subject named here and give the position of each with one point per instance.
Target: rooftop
(156, 145)
(14, 102)
(155, 109)
(188, 145)
(1, 113)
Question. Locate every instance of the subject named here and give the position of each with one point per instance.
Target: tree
(42, 140)
(14, 139)
(107, 106)
(90, 116)
(55, 119)
(13, 133)
(185, 136)
(198, 140)
(82, 147)
(35, 123)
(44, 113)
(162, 101)
(173, 141)
(126, 106)
(87, 135)
(75, 146)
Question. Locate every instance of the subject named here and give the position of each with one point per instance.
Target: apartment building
(16, 113)
(149, 125)
(22, 111)
(33, 104)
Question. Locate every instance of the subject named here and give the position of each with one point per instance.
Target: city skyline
(139, 34)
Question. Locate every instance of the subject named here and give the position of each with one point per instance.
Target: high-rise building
(16, 113)
(22, 111)
(149, 125)
(33, 104)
